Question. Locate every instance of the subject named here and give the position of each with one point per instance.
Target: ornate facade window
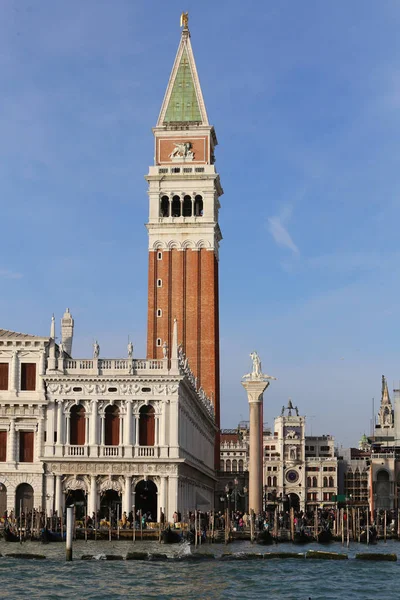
(147, 426)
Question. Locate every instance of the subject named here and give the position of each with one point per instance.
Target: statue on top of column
(257, 374)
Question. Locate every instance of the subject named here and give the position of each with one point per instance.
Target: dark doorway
(110, 501)
(24, 498)
(112, 426)
(146, 426)
(294, 501)
(146, 498)
(382, 490)
(78, 499)
(77, 426)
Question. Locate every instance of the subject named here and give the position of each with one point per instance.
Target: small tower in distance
(67, 332)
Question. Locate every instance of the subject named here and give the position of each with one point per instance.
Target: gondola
(47, 536)
(325, 536)
(169, 536)
(10, 536)
(265, 537)
(373, 536)
(301, 537)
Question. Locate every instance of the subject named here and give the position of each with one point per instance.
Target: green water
(177, 578)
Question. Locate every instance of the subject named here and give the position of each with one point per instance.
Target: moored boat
(169, 536)
(10, 536)
(372, 538)
(325, 536)
(301, 537)
(47, 536)
(265, 537)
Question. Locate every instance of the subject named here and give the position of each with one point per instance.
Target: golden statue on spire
(185, 20)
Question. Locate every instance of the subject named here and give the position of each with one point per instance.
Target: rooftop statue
(257, 374)
(185, 20)
(96, 350)
(130, 350)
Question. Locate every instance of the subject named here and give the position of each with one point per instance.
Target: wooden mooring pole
(134, 524)
(385, 526)
(70, 526)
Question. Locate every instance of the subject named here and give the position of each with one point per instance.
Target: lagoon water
(174, 579)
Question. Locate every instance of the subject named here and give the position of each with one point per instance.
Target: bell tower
(184, 233)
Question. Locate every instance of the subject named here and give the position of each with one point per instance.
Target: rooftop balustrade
(112, 366)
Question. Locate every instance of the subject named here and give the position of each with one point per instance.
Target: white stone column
(173, 428)
(121, 430)
(92, 504)
(50, 422)
(14, 372)
(58, 505)
(127, 497)
(58, 447)
(162, 496)
(11, 443)
(136, 430)
(128, 430)
(172, 496)
(93, 429)
(60, 439)
(68, 436)
(42, 363)
(39, 436)
(255, 389)
(86, 431)
(50, 493)
(102, 429)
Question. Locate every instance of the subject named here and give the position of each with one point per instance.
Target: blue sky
(305, 99)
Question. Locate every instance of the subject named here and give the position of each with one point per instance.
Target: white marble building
(101, 432)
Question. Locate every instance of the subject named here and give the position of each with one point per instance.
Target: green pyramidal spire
(183, 101)
(183, 104)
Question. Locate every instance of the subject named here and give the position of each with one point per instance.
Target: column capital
(255, 389)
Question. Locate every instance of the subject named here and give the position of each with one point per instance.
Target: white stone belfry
(67, 332)
(255, 383)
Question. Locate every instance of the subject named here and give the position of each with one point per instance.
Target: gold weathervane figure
(185, 20)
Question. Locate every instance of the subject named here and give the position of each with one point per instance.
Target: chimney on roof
(67, 332)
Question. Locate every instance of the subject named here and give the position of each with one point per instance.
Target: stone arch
(154, 403)
(147, 425)
(173, 245)
(146, 492)
(294, 500)
(24, 498)
(112, 419)
(382, 489)
(188, 244)
(159, 245)
(77, 433)
(203, 244)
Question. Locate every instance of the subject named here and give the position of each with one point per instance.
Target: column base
(128, 452)
(93, 451)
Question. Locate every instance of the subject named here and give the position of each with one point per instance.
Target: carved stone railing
(110, 451)
(76, 451)
(112, 366)
(146, 451)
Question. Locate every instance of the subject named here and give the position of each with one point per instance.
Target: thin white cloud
(276, 227)
(7, 274)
